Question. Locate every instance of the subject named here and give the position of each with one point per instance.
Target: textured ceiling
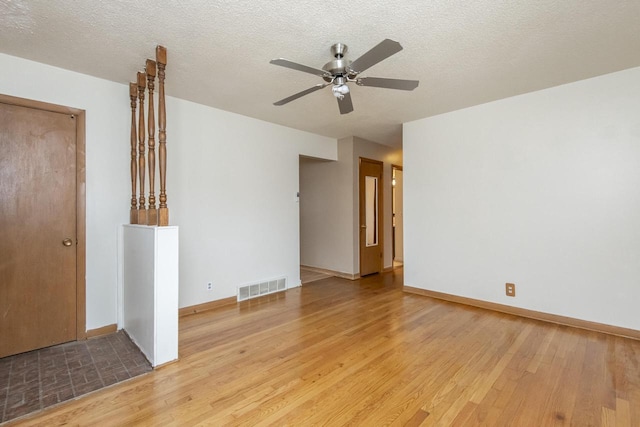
(463, 52)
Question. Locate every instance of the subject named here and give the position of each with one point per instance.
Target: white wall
(326, 211)
(329, 206)
(231, 185)
(541, 190)
(234, 196)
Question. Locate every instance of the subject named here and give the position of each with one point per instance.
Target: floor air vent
(262, 288)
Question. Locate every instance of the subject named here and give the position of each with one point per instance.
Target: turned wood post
(133, 96)
(142, 211)
(161, 61)
(152, 212)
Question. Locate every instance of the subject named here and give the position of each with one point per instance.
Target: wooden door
(397, 213)
(371, 226)
(38, 222)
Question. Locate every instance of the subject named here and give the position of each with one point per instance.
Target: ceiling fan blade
(295, 66)
(300, 94)
(345, 105)
(378, 53)
(388, 83)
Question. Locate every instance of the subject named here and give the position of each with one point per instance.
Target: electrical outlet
(209, 286)
(510, 289)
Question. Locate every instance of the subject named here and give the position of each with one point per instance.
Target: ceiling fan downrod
(338, 50)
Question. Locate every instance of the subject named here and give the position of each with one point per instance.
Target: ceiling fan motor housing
(338, 67)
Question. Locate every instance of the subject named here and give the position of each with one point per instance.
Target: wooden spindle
(142, 211)
(133, 213)
(152, 212)
(161, 60)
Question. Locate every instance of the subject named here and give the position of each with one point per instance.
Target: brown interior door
(371, 228)
(38, 227)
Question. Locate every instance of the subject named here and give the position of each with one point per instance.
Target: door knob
(67, 242)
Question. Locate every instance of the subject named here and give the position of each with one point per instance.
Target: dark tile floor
(41, 378)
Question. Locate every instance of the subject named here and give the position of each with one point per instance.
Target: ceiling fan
(341, 71)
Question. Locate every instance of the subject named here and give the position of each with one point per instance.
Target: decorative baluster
(133, 214)
(152, 212)
(142, 211)
(161, 60)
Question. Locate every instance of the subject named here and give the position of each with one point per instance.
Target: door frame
(81, 181)
(381, 215)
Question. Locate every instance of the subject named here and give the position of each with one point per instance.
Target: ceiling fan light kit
(340, 89)
(340, 71)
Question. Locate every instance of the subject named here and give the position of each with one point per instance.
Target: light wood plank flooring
(308, 275)
(338, 352)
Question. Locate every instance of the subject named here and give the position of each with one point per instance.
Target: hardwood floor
(308, 275)
(338, 352)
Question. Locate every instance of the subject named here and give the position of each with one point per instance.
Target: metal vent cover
(258, 289)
